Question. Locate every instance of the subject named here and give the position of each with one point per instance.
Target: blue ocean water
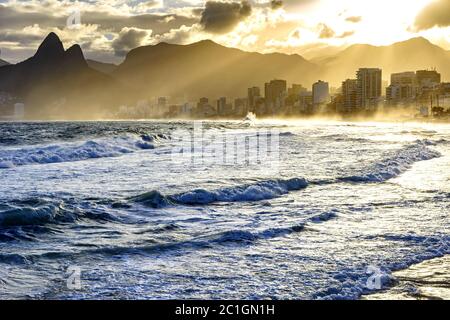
(120, 203)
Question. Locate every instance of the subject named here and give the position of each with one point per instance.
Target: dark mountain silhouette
(58, 82)
(208, 69)
(410, 55)
(103, 67)
(3, 63)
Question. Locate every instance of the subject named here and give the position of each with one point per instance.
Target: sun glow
(379, 21)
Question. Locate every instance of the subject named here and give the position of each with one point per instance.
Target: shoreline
(428, 280)
(287, 119)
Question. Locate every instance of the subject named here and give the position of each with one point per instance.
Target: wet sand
(429, 280)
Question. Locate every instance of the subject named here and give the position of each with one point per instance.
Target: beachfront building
(320, 93)
(350, 101)
(275, 93)
(369, 82)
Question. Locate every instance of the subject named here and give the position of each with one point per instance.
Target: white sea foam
(396, 163)
(75, 151)
(262, 190)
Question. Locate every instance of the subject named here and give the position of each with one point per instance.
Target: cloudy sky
(108, 29)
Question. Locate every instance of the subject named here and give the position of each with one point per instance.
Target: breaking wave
(33, 212)
(258, 191)
(36, 213)
(396, 163)
(76, 151)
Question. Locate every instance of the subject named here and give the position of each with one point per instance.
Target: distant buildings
(162, 102)
(204, 109)
(350, 102)
(422, 89)
(403, 88)
(320, 92)
(369, 88)
(362, 94)
(305, 103)
(275, 93)
(428, 78)
(296, 90)
(240, 107)
(224, 109)
(359, 96)
(254, 94)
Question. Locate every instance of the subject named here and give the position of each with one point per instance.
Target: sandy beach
(429, 280)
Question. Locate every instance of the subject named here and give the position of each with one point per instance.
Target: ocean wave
(287, 134)
(33, 213)
(242, 236)
(343, 137)
(14, 259)
(396, 163)
(223, 238)
(324, 216)
(76, 151)
(262, 190)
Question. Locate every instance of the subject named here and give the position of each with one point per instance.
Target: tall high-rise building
(403, 88)
(275, 90)
(428, 78)
(204, 108)
(296, 89)
(404, 78)
(275, 96)
(321, 92)
(305, 102)
(221, 106)
(350, 95)
(240, 106)
(254, 94)
(162, 102)
(369, 87)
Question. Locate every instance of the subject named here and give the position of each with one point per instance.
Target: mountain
(58, 82)
(207, 69)
(103, 67)
(61, 83)
(410, 55)
(3, 63)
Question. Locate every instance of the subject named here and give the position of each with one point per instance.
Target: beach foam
(396, 163)
(262, 190)
(75, 151)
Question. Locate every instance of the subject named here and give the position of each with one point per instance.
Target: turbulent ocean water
(120, 206)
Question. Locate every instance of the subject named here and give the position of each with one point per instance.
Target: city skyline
(421, 92)
(107, 30)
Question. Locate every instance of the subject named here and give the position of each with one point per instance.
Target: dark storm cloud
(157, 23)
(128, 39)
(11, 18)
(290, 4)
(222, 17)
(19, 37)
(354, 19)
(276, 4)
(436, 14)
